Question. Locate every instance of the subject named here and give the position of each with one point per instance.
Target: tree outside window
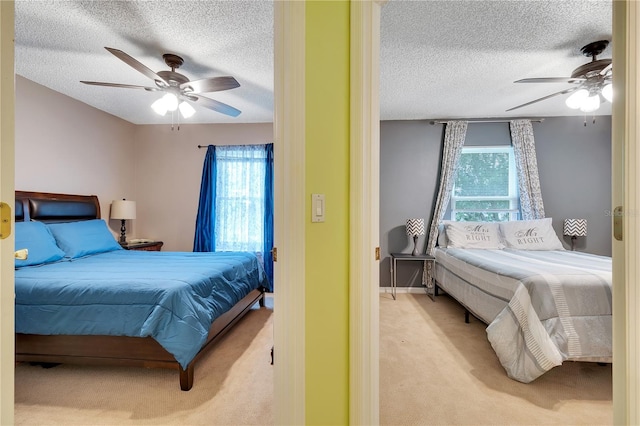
(486, 186)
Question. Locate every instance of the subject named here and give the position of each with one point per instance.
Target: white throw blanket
(559, 308)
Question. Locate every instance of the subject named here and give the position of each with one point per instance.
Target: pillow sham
(40, 244)
(473, 235)
(537, 234)
(79, 239)
(442, 234)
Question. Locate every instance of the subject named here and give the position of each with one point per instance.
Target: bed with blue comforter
(170, 296)
(82, 298)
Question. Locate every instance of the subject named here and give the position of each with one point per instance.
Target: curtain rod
(249, 144)
(538, 120)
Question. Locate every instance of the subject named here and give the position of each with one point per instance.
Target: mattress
(172, 297)
(542, 307)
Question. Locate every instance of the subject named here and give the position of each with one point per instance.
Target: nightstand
(427, 262)
(148, 246)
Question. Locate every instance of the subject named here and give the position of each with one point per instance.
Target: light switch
(317, 207)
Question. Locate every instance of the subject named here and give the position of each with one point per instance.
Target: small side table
(147, 246)
(428, 262)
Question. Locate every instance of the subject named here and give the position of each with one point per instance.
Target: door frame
(7, 195)
(364, 279)
(625, 136)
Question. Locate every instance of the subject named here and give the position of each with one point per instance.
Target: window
(240, 198)
(486, 186)
(235, 209)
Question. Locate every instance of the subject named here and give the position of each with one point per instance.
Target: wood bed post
(186, 377)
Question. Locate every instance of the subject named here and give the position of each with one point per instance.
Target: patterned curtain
(455, 132)
(524, 149)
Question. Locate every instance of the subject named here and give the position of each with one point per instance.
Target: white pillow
(535, 234)
(474, 235)
(442, 235)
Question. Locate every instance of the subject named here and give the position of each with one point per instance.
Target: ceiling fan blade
(134, 63)
(551, 80)
(125, 86)
(606, 69)
(214, 84)
(213, 105)
(562, 92)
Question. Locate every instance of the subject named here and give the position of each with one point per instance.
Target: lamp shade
(170, 101)
(575, 227)
(123, 209)
(575, 100)
(159, 107)
(591, 103)
(186, 110)
(415, 227)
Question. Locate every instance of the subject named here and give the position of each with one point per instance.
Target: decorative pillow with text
(474, 235)
(537, 234)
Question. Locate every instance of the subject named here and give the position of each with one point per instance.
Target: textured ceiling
(459, 59)
(439, 59)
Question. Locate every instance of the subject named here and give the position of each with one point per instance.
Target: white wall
(168, 171)
(65, 146)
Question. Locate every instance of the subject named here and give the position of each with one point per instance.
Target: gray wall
(574, 162)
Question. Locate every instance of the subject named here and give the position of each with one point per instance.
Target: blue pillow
(79, 239)
(37, 239)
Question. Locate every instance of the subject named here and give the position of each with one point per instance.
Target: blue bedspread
(171, 296)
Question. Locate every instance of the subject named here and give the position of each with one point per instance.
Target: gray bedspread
(555, 305)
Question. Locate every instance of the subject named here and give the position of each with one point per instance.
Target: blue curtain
(268, 212)
(235, 211)
(205, 220)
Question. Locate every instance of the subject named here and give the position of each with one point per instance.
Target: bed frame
(106, 350)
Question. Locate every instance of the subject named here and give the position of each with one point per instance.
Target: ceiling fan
(590, 81)
(180, 91)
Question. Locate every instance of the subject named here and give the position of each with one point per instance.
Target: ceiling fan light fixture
(176, 86)
(592, 79)
(576, 100)
(591, 103)
(159, 107)
(607, 92)
(186, 110)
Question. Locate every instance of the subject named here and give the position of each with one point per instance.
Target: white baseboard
(420, 290)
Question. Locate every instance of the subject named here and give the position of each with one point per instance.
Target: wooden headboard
(50, 207)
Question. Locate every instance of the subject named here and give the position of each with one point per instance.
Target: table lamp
(574, 228)
(415, 227)
(123, 210)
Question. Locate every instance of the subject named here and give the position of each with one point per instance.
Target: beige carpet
(437, 370)
(434, 370)
(233, 385)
